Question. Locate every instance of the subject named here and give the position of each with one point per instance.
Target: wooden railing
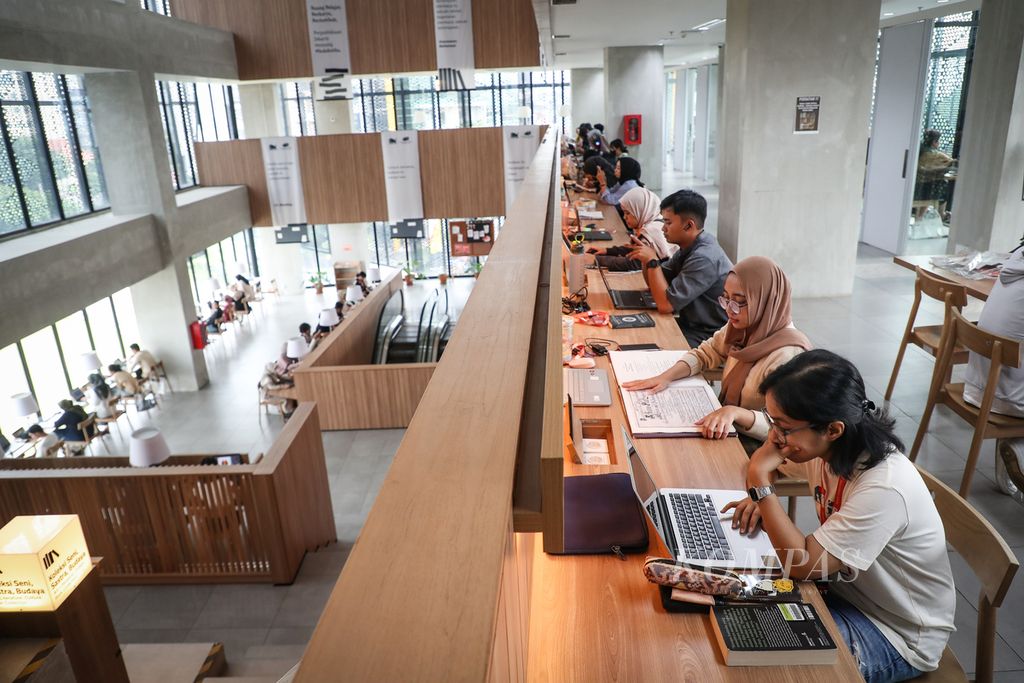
(437, 587)
(95, 461)
(192, 523)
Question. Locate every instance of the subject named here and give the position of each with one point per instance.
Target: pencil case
(673, 574)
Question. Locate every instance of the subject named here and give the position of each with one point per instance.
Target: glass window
(74, 341)
(104, 331)
(11, 216)
(61, 143)
(29, 148)
(14, 383)
(87, 147)
(126, 317)
(46, 370)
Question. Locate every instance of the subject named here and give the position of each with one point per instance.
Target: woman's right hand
(652, 384)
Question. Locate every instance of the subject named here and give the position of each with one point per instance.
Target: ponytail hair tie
(867, 406)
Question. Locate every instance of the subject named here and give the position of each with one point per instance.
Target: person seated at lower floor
(46, 444)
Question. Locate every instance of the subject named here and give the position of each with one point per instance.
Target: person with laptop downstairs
(690, 282)
(881, 543)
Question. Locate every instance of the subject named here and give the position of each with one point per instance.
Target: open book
(671, 412)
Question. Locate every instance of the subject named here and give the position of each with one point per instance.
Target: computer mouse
(582, 362)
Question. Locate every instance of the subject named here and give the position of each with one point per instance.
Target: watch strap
(759, 493)
(653, 263)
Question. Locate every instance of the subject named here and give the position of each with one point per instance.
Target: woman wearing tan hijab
(641, 211)
(758, 338)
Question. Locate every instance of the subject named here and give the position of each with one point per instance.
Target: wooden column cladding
(385, 36)
(236, 162)
(343, 178)
(462, 172)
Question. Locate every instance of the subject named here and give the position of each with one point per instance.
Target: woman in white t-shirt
(881, 542)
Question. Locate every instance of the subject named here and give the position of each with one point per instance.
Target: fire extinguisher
(633, 127)
(198, 334)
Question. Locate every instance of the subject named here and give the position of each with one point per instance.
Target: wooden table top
(596, 617)
(979, 289)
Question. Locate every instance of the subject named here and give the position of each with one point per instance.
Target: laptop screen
(643, 484)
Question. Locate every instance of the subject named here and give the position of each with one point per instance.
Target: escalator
(407, 340)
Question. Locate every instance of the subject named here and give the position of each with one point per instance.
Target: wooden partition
(438, 588)
(385, 36)
(192, 523)
(237, 162)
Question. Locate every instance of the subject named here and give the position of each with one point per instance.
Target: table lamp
(524, 113)
(89, 362)
(329, 318)
(296, 347)
(214, 284)
(24, 405)
(353, 294)
(147, 448)
(46, 557)
(373, 274)
(565, 110)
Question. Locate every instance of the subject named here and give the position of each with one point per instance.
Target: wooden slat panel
(391, 36)
(343, 178)
(366, 396)
(462, 172)
(505, 34)
(236, 162)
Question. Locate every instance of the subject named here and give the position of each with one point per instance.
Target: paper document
(591, 215)
(670, 412)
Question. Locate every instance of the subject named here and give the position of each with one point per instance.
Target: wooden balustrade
(190, 523)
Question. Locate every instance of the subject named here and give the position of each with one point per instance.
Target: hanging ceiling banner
(328, 45)
(402, 174)
(284, 180)
(519, 144)
(453, 39)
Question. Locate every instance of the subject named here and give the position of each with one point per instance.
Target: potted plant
(408, 274)
(476, 267)
(317, 280)
(443, 278)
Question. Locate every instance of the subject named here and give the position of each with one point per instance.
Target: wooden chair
(992, 562)
(927, 337)
(88, 428)
(161, 373)
(1001, 351)
(115, 414)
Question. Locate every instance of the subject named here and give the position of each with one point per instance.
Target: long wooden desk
(979, 289)
(596, 617)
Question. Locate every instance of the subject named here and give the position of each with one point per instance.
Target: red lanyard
(827, 507)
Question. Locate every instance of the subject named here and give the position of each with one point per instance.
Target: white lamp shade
(147, 448)
(524, 112)
(565, 110)
(296, 347)
(88, 362)
(24, 404)
(373, 274)
(214, 284)
(329, 317)
(354, 293)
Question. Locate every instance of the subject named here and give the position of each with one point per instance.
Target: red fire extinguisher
(632, 125)
(198, 334)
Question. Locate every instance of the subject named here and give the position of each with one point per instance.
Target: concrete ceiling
(596, 24)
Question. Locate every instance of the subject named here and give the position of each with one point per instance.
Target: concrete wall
(587, 96)
(797, 198)
(635, 84)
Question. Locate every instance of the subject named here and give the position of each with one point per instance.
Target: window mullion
(37, 116)
(77, 143)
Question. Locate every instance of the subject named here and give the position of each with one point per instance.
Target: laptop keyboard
(701, 533)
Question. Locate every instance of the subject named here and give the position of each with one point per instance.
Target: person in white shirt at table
(881, 543)
(45, 443)
(142, 360)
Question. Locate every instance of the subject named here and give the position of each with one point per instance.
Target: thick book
(781, 634)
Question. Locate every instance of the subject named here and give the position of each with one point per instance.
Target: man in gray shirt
(690, 282)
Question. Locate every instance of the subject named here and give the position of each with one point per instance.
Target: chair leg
(791, 508)
(972, 460)
(923, 428)
(985, 656)
(896, 366)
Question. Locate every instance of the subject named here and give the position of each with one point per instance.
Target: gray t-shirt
(696, 278)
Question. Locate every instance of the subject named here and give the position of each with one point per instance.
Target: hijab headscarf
(630, 170)
(769, 312)
(646, 206)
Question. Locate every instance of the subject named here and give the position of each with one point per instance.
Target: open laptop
(688, 521)
(629, 298)
(588, 387)
(590, 235)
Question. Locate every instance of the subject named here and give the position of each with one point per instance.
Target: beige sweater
(714, 352)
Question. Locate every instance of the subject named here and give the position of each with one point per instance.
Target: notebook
(781, 634)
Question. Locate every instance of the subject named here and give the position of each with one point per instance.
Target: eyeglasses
(730, 305)
(784, 433)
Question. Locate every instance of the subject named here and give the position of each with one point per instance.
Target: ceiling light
(561, 54)
(942, 1)
(561, 36)
(888, 14)
(708, 24)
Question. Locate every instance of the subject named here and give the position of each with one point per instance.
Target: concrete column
(797, 198)
(988, 211)
(130, 135)
(350, 242)
(701, 123)
(332, 116)
(681, 124)
(280, 262)
(587, 96)
(718, 122)
(261, 110)
(634, 83)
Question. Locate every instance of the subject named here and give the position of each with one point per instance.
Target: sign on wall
(401, 152)
(453, 40)
(520, 144)
(807, 111)
(328, 45)
(284, 180)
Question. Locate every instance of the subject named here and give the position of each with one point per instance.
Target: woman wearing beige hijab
(758, 338)
(641, 211)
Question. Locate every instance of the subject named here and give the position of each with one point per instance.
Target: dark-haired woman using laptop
(881, 542)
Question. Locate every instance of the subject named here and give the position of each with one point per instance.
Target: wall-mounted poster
(473, 237)
(519, 144)
(807, 110)
(284, 180)
(402, 174)
(453, 40)
(328, 46)
(411, 228)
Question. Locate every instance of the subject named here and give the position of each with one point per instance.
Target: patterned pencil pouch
(708, 581)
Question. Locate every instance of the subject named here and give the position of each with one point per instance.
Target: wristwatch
(653, 263)
(758, 493)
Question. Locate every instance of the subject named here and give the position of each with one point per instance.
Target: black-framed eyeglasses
(731, 306)
(784, 433)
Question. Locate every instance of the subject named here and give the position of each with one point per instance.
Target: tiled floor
(865, 327)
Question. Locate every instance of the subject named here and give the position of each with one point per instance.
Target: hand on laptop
(651, 384)
(745, 517)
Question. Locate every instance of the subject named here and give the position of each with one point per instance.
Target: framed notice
(807, 110)
(471, 237)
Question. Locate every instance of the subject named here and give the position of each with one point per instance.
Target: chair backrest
(87, 426)
(939, 288)
(995, 347)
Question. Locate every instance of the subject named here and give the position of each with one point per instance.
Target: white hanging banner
(402, 174)
(328, 46)
(519, 144)
(453, 39)
(284, 180)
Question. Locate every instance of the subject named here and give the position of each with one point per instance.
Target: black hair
(630, 170)
(361, 273)
(821, 387)
(36, 429)
(304, 328)
(687, 203)
(599, 126)
(99, 386)
(591, 165)
(617, 143)
(588, 153)
(114, 367)
(135, 347)
(931, 136)
(242, 278)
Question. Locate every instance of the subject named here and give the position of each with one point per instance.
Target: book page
(634, 365)
(675, 408)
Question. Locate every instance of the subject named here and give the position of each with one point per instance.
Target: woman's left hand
(717, 424)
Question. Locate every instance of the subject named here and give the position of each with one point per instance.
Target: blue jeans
(877, 659)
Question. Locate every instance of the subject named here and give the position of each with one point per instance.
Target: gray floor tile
(126, 636)
(166, 607)
(302, 604)
(236, 640)
(964, 641)
(254, 605)
(119, 599)
(292, 635)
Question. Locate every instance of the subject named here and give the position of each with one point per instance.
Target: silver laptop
(688, 521)
(588, 387)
